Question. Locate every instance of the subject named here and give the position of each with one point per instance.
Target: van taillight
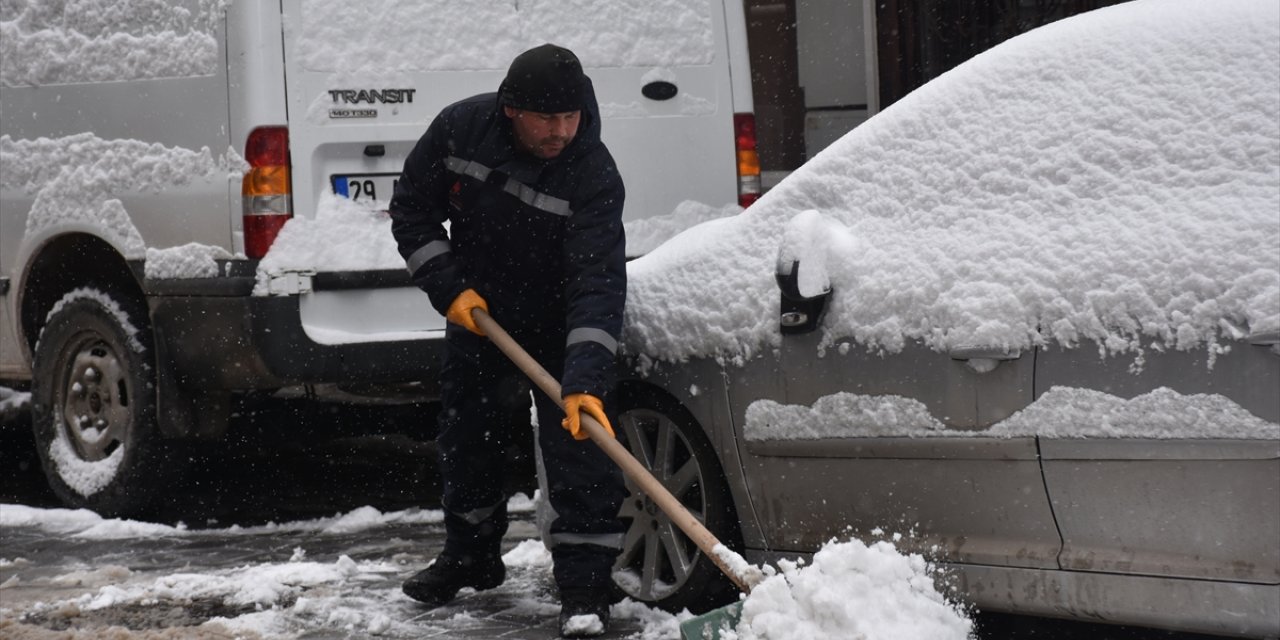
(744, 133)
(266, 188)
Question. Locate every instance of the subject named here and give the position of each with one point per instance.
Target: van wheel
(659, 565)
(94, 407)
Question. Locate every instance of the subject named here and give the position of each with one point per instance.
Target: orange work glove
(574, 404)
(459, 311)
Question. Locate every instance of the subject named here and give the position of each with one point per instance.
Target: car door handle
(984, 352)
(983, 358)
(1270, 339)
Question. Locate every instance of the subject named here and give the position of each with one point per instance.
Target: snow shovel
(707, 542)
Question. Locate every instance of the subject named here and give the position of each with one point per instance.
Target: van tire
(645, 417)
(94, 405)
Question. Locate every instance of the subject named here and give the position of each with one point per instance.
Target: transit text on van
(385, 96)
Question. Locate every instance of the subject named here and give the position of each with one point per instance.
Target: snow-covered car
(192, 196)
(1027, 318)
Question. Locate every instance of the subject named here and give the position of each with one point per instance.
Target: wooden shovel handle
(650, 485)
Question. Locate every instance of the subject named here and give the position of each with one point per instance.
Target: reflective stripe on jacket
(541, 240)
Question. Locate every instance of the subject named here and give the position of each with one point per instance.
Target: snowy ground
(245, 555)
(72, 572)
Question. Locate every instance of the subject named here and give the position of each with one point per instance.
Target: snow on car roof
(1110, 178)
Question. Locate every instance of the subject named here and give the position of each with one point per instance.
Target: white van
(172, 230)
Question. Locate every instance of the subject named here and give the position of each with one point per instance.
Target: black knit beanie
(545, 79)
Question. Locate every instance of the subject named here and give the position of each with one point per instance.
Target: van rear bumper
(218, 341)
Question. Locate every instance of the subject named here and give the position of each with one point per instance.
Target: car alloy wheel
(659, 565)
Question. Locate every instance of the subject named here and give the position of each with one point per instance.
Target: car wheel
(659, 565)
(93, 405)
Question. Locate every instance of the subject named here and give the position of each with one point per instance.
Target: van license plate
(365, 186)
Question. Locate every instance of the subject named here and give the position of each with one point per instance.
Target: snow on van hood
(1110, 178)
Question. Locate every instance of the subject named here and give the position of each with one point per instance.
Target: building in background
(821, 67)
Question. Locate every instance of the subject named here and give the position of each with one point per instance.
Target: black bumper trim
(259, 343)
(347, 280)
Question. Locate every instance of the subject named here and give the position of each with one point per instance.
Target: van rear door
(365, 80)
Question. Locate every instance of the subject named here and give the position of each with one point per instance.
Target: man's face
(544, 134)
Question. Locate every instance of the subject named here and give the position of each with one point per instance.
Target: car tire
(659, 565)
(94, 405)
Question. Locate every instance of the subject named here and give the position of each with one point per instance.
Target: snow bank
(106, 41)
(82, 523)
(277, 596)
(851, 590)
(1110, 178)
(1061, 412)
(487, 35)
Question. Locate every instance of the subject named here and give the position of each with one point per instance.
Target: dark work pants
(484, 397)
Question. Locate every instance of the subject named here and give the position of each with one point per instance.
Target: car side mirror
(801, 310)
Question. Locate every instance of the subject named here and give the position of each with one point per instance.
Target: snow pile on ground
(77, 178)
(82, 523)
(343, 235)
(264, 584)
(487, 35)
(851, 590)
(644, 235)
(1110, 178)
(105, 40)
(267, 599)
(1061, 412)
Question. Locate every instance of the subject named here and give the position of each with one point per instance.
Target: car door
(1199, 496)
(833, 443)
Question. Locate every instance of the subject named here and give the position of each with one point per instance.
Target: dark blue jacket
(541, 240)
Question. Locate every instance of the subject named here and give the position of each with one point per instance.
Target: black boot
(584, 613)
(439, 583)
